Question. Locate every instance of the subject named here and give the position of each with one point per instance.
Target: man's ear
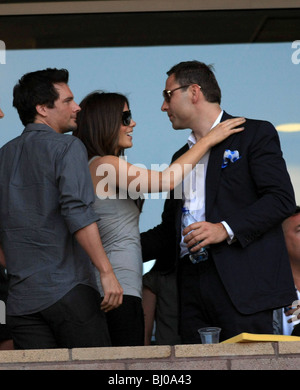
(196, 93)
(41, 109)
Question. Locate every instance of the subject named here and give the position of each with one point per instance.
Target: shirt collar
(192, 139)
(37, 127)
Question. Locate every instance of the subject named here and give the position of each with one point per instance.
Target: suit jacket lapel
(214, 169)
(213, 172)
(179, 203)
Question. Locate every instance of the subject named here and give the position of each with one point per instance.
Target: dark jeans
(205, 302)
(76, 320)
(126, 323)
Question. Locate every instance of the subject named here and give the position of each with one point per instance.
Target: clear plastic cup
(209, 335)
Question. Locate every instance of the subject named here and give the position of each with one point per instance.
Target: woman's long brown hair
(98, 125)
(99, 121)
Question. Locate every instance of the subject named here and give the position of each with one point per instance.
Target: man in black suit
(241, 195)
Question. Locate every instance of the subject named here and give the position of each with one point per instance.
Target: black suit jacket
(253, 195)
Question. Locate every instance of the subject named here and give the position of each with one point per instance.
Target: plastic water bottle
(186, 220)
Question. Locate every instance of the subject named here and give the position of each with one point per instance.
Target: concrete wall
(239, 356)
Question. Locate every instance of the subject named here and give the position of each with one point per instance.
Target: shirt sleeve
(76, 192)
(231, 238)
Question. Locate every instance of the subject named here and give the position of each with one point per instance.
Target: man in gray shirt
(48, 229)
(5, 337)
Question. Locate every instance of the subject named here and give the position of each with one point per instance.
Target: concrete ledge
(34, 355)
(265, 364)
(116, 353)
(239, 356)
(289, 347)
(234, 349)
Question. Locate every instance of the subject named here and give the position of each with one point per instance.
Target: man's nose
(76, 108)
(164, 106)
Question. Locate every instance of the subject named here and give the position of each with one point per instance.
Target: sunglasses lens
(126, 118)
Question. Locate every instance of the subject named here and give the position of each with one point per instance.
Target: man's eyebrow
(68, 98)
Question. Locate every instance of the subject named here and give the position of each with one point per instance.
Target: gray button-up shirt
(46, 195)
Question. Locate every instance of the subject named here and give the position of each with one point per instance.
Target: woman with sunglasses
(105, 127)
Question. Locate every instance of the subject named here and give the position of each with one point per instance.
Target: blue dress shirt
(46, 195)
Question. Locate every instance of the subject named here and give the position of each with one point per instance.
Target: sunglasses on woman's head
(126, 117)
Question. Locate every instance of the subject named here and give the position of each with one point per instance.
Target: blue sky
(257, 80)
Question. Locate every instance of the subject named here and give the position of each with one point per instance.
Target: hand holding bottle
(201, 254)
(201, 234)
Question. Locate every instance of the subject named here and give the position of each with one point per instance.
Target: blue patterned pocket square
(230, 156)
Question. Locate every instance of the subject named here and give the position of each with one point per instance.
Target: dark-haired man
(287, 319)
(48, 228)
(5, 336)
(240, 199)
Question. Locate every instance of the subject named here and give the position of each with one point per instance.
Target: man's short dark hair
(297, 211)
(37, 88)
(195, 72)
